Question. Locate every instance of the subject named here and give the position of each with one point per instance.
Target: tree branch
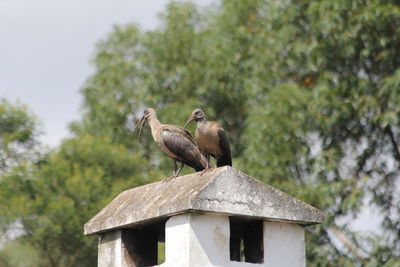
(396, 150)
(346, 242)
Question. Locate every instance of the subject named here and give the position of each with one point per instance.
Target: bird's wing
(183, 147)
(182, 131)
(225, 158)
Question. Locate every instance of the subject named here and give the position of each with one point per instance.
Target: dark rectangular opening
(144, 244)
(246, 240)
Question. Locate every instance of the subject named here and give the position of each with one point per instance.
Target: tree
(18, 145)
(54, 198)
(338, 85)
(18, 134)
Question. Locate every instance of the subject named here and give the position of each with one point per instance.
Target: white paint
(197, 240)
(110, 250)
(177, 247)
(284, 245)
(202, 240)
(209, 240)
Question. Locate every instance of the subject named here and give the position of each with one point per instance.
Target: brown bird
(211, 139)
(174, 141)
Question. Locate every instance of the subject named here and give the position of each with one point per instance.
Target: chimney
(222, 218)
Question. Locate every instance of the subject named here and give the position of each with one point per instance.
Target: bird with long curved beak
(175, 142)
(211, 139)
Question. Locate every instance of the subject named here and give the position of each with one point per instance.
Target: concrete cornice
(224, 190)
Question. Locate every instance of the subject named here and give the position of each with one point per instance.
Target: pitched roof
(224, 190)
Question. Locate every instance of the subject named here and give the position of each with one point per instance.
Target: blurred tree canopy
(18, 134)
(308, 92)
(18, 146)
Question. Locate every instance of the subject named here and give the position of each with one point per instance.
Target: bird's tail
(224, 160)
(203, 163)
(200, 164)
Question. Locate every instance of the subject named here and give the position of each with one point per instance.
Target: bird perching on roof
(174, 141)
(211, 139)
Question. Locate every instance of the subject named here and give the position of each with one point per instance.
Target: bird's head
(197, 115)
(147, 114)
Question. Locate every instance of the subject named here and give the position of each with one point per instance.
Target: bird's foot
(206, 170)
(169, 178)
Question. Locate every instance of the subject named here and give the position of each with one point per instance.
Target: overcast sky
(45, 50)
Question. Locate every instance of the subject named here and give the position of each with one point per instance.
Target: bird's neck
(153, 123)
(201, 122)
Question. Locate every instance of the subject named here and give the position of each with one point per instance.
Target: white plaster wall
(197, 240)
(110, 250)
(284, 245)
(209, 240)
(177, 230)
(202, 240)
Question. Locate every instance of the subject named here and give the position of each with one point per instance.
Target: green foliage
(18, 132)
(307, 91)
(54, 198)
(19, 254)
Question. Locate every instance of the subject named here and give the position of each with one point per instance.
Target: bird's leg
(209, 164)
(208, 168)
(175, 173)
(178, 171)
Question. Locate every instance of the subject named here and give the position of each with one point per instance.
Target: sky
(45, 52)
(46, 47)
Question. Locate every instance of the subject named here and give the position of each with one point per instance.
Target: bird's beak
(140, 124)
(191, 118)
